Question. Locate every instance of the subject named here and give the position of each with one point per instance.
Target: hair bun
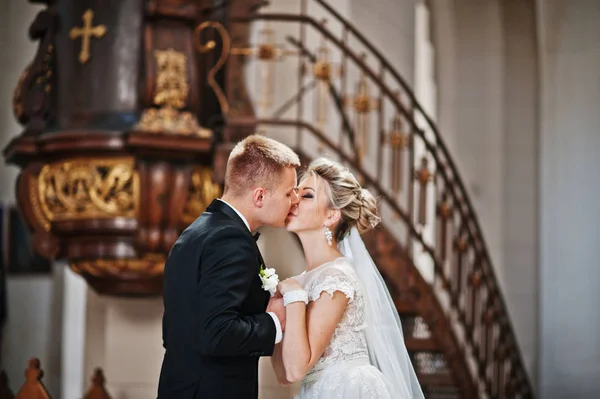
(368, 217)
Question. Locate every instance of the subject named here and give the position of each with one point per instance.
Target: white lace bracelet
(295, 296)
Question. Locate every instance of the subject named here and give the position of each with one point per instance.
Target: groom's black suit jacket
(214, 325)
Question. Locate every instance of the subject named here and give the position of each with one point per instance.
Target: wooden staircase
(456, 323)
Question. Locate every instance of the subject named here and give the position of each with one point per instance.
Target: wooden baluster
(398, 141)
(5, 392)
(501, 353)
(344, 82)
(380, 125)
(444, 212)
(482, 330)
(97, 390)
(475, 284)
(460, 246)
(33, 387)
(495, 388)
(423, 176)
(411, 172)
(489, 316)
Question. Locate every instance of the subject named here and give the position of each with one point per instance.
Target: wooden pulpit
(119, 107)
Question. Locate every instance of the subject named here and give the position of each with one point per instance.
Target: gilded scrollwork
(208, 46)
(202, 191)
(89, 188)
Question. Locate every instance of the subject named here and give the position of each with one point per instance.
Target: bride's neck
(316, 249)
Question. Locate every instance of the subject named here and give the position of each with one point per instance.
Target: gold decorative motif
(86, 32)
(201, 192)
(89, 188)
(34, 198)
(169, 120)
(210, 45)
(171, 79)
(149, 266)
(171, 95)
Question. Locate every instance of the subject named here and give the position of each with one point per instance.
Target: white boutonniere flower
(270, 280)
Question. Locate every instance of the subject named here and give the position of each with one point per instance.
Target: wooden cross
(444, 213)
(86, 32)
(423, 176)
(363, 104)
(398, 141)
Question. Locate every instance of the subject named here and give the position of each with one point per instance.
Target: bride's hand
(288, 285)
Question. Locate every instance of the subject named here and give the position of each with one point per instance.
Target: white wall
(488, 115)
(570, 199)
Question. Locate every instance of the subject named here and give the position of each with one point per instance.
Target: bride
(343, 336)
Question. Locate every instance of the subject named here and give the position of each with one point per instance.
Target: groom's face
(280, 200)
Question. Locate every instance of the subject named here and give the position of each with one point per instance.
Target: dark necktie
(256, 236)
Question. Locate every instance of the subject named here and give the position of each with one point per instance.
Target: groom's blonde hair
(257, 161)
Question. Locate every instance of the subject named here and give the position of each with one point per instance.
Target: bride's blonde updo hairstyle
(357, 205)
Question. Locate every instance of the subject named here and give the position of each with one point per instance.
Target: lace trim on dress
(330, 284)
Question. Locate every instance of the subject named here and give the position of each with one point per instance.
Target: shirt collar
(237, 212)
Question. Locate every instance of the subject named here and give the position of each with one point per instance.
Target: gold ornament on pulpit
(170, 96)
(201, 192)
(86, 32)
(88, 188)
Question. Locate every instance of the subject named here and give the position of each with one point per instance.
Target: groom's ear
(258, 196)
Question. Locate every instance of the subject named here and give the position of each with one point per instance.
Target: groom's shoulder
(212, 225)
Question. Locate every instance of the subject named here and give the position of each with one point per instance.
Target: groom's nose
(295, 198)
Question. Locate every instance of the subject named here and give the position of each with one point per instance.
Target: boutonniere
(270, 280)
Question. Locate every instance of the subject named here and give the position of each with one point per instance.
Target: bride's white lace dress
(344, 370)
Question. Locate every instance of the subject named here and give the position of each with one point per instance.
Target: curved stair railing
(424, 201)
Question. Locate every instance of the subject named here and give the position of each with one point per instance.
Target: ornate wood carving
(88, 188)
(110, 185)
(34, 98)
(201, 192)
(170, 96)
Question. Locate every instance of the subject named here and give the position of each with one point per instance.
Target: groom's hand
(276, 306)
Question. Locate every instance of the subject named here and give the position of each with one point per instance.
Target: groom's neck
(241, 206)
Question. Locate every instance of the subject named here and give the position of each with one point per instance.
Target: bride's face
(313, 209)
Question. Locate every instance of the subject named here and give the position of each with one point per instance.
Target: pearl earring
(328, 235)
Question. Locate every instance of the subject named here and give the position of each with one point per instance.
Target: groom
(214, 325)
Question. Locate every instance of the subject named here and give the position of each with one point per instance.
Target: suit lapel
(220, 206)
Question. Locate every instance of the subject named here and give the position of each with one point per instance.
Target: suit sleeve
(227, 267)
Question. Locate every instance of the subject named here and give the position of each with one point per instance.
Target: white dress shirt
(279, 333)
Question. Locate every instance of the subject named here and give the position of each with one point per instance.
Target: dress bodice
(348, 342)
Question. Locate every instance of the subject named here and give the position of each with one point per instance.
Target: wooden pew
(33, 388)
(97, 390)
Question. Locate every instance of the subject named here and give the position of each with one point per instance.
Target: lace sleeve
(330, 281)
